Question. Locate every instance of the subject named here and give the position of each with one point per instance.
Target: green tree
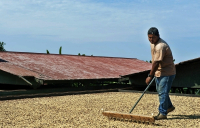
(48, 52)
(2, 46)
(60, 50)
(79, 54)
(149, 61)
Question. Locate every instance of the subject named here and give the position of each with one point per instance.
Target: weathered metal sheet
(70, 67)
(16, 70)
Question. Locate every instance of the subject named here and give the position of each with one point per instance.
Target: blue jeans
(163, 86)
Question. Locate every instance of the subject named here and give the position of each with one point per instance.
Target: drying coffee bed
(84, 111)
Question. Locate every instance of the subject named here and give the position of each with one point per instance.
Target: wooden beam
(129, 116)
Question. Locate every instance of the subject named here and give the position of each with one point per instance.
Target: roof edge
(189, 61)
(67, 55)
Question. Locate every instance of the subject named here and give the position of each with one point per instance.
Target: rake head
(128, 116)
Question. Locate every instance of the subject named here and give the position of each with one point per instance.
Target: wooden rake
(129, 116)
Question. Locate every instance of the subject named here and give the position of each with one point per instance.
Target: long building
(187, 75)
(36, 69)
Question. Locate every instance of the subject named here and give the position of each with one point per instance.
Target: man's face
(153, 38)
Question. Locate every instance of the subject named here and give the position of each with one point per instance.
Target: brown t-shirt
(162, 52)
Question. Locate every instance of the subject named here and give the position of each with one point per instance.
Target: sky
(114, 28)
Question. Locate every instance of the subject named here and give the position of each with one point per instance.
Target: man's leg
(163, 86)
(159, 90)
(170, 106)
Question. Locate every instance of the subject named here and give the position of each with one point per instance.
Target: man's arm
(153, 70)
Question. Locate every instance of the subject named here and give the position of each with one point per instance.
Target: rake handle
(142, 95)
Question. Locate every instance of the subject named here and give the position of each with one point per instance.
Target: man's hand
(152, 72)
(148, 80)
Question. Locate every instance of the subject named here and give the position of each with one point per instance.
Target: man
(163, 69)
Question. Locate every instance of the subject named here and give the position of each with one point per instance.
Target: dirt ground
(84, 111)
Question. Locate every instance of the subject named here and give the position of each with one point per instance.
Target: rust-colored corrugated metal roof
(69, 67)
(16, 70)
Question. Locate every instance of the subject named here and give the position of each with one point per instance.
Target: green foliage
(79, 54)
(149, 61)
(197, 91)
(2, 46)
(60, 50)
(48, 52)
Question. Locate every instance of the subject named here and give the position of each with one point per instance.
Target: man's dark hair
(154, 31)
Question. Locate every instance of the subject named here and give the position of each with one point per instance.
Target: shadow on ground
(196, 116)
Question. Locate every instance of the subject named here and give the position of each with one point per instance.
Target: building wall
(139, 79)
(187, 75)
(7, 78)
